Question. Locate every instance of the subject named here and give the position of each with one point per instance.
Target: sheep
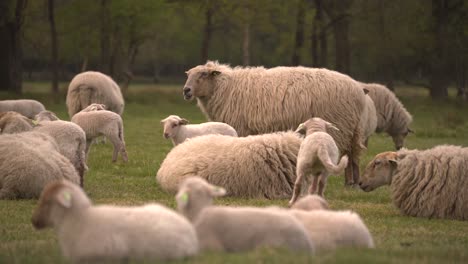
(261, 166)
(331, 229)
(96, 233)
(177, 130)
(14, 122)
(369, 120)
(311, 202)
(424, 183)
(26, 107)
(93, 87)
(237, 229)
(97, 123)
(392, 117)
(28, 162)
(46, 116)
(256, 100)
(318, 156)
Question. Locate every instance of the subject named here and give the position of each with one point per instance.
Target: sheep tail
(328, 164)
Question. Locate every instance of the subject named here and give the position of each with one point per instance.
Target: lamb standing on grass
(96, 122)
(318, 156)
(178, 131)
(98, 233)
(28, 162)
(262, 166)
(424, 183)
(236, 229)
(93, 87)
(26, 107)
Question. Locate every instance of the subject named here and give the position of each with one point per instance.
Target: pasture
(398, 239)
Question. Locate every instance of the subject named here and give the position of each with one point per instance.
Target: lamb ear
(300, 129)
(365, 91)
(182, 199)
(215, 73)
(183, 121)
(64, 198)
(332, 126)
(218, 191)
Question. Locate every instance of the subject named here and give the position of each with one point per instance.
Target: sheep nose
(186, 90)
(166, 135)
(360, 183)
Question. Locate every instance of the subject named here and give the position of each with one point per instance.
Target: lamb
(97, 123)
(26, 107)
(261, 166)
(424, 183)
(237, 229)
(97, 233)
(14, 122)
(392, 117)
(256, 100)
(178, 131)
(46, 116)
(369, 120)
(332, 229)
(28, 162)
(318, 156)
(93, 87)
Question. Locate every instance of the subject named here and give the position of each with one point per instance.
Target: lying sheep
(260, 166)
(13, 122)
(28, 162)
(26, 107)
(311, 202)
(93, 87)
(424, 183)
(369, 120)
(97, 233)
(331, 229)
(178, 131)
(236, 229)
(45, 116)
(318, 157)
(97, 123)
(392, 117)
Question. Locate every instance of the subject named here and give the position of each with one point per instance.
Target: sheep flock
(273, 133)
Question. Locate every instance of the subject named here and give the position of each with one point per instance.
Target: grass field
(399, 239)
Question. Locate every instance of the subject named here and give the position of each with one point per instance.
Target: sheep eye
(174, 125)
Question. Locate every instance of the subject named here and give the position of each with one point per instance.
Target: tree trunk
(461, 78)
(53, 36)
(296, 57)
(386, 56)
(207, 32)
(323, 45)
(246, 38)
(105, 60)
(342, 49)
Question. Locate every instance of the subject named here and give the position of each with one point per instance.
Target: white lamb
(97, 233)
(178, 131)
(317, 156)
(235, 229)
(97, 122)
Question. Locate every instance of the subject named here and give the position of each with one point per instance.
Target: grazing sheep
(256, 100)
(261, 166)
(392, 117)
(97, 233)
(97, 123)
(177, 130)
(331, 229)
(46, 116)
(369, 120)
(26, 107)
(318, 156)
(425, 183)
(93, 87)
(14, 122)
(28, 162)
(311, 202)
(236, 229)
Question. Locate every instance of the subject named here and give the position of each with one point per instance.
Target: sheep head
(310, 203)
(45, 116)
(171, 125)
(400, 136)
(315, 124)
(94, 107)
(379, 171)
(201, 80)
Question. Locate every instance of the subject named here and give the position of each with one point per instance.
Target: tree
(54, 46)
(299, 39)
(319, 42)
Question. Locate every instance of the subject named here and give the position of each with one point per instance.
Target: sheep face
(200, 82)
(196, 192)
(399, 137)
(46, 116)
(172, 124)
(379, 171)
(54, 199)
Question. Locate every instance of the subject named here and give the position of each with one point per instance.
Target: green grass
(399, 239)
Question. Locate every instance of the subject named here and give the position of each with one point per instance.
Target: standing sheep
(93, 87)
(369, 120)
(98, 233)
(177, 130)
(28, 162)
(236, 229)
(392, 117)
(318, 156)
(26, 107)
(424, 183)
(96, 122)
(261, 166)
(256, 100)
(13, 122)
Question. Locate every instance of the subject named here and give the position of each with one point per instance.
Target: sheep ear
(300, 129)
(215, 73)
(365, 91)
(393, 162)
(332, 126)
(183, 121)
(410, 130)
(182, 199)
(218, 191)
(64, 198)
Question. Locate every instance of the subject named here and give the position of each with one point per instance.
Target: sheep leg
(322, 184)
(114, 139)
(355, 173)
(87, 148)
(349, 171)
(7, 194)
(123, 152)
(313, 186)
(297, 187)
